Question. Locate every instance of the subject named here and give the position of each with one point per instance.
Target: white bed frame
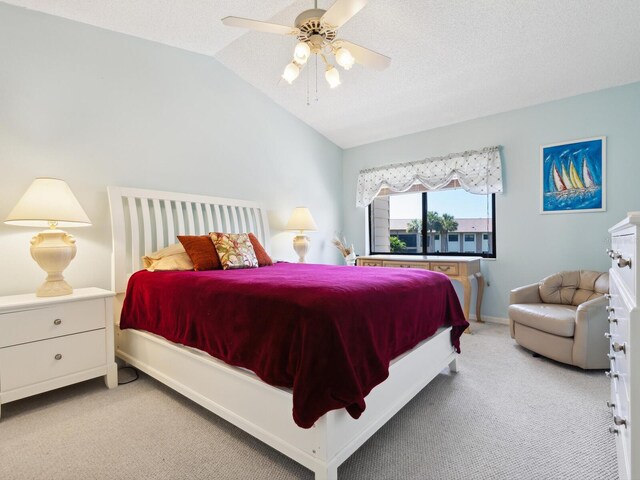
(146, 220)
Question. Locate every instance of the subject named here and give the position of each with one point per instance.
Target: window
(443, 222)
(485, 242)
(469, 243)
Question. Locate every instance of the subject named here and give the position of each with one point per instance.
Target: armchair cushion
(554, 319)
(573, 288)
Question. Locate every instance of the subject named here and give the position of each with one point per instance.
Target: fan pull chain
(308, 102)
(316, 78)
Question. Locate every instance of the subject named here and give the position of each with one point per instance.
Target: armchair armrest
(586, 308)
(526, 294)
(590, 347)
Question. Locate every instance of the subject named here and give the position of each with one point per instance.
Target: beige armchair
(564, 318)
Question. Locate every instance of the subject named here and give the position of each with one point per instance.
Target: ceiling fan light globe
(344, 58)
(291, 72)
(301, 53)
(332, 76)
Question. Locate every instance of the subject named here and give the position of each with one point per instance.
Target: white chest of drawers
(51, 342)
(624, 331)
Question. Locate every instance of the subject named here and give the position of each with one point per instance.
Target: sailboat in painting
(569, 182)
(586, 174)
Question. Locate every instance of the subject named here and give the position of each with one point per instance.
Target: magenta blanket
(326, 332)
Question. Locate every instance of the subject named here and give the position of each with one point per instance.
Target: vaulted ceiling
(451, 60)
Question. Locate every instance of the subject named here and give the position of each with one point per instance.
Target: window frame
(424, 245)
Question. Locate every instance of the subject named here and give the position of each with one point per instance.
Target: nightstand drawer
(36, 362)
(52, 321)
(446, 268)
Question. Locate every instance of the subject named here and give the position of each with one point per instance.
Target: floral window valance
(478, 171)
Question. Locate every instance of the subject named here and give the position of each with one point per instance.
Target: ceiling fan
(316, 30)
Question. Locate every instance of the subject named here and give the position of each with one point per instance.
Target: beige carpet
(505, 415)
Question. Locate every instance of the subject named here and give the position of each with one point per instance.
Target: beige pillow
(173, 257)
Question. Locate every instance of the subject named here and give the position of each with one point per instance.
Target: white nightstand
(51, 342)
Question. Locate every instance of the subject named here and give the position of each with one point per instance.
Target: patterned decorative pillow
(234, 250)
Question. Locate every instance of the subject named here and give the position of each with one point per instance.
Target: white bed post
(453, 365)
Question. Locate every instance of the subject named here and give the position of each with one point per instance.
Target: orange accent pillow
(264, 260)
(201, 251)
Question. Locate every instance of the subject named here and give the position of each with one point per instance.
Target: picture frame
(573, 176)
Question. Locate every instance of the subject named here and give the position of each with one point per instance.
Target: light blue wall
(529, 245)
(99, 108)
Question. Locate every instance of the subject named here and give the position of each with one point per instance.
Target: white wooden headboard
(143, 221)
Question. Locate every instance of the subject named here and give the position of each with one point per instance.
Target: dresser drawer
(52, 321)
(370, 263)
(35, 362)
(397, 264)
(625, 245)
(446, 268)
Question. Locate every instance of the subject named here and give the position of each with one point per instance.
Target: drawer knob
(444, 268)
(610, 309)
(607, 296)
(58, 356)
(614, 430)
(624, 262)
(611, 356)
(611, 405)
(607, 335)
(619, 420)
(609, 252)
(57, 321)
(611, 374)
(619, 348)
(613, 320)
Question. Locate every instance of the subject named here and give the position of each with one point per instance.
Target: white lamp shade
(46, 201)
(291, 72)
(332, 76)
(301, 219)
(301, 53)
(344, 58)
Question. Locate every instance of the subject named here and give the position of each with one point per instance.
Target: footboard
(264, 411)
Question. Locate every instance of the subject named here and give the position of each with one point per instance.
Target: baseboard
(489, 319)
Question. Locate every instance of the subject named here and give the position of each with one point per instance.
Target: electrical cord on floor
(135, 373)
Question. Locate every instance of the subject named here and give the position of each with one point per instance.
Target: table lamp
(49, 202)
(301, 220)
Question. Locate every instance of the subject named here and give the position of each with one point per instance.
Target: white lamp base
(301, 246)
(53, 250)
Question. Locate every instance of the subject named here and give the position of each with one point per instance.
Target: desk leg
(466, 285)
(480, 281)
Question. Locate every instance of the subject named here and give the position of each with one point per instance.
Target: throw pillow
(173, 257)
(264, 260)
(201, 252)
(234, 250)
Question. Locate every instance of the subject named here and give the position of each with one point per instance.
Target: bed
(144, 221)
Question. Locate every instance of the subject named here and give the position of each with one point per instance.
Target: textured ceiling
(451, 60)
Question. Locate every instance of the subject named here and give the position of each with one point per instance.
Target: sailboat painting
(573, 176)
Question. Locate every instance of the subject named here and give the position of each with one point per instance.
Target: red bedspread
(326, 332)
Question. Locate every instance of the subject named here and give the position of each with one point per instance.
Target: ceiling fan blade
(259, 26)
(342, 11)
(364, 56)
